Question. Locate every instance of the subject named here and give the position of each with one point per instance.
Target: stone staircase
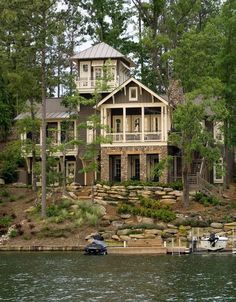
(84, 193)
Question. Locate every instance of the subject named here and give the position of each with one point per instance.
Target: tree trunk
(185, 187)
(43, 147)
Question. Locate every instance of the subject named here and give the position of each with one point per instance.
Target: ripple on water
(72, 277)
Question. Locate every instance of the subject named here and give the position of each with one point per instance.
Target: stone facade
(141, 151)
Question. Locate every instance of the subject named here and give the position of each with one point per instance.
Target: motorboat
(96, 247)
(213, 242)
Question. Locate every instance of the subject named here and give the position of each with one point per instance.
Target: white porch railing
(134, 137)
(90, 83)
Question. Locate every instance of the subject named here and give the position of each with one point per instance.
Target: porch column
(102, 121)
(124, 124)
(142, 124)
(58, 133)
(165, 120)
(162, 124)
(143, 167)
(104, 164)
(124, 166)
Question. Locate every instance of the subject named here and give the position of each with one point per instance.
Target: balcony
(87, 85)
(134, 137)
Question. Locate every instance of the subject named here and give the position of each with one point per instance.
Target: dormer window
(133, 93)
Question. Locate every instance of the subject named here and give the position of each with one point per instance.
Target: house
(137, 122)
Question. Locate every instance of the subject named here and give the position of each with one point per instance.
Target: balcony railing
(134, 137)
(90, 83)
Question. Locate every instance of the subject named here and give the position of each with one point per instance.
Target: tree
(190, 137)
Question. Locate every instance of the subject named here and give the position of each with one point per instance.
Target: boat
(213, 242)
(96, 247)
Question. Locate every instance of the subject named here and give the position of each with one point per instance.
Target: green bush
(13, 234)
(5, 221)
(148, 208)
(4, 193)
(206, 200)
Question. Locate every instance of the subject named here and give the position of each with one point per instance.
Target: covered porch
(137, 123)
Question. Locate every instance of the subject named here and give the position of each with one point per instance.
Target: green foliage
(5, 221)
(149, 208)
(206, 200)
(4, 193)
(13, 233)
(10, 158)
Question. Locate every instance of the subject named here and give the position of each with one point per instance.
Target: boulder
(168, 202)
(149, 236)
(115, 237)
(171, 231)
(153, 232)
(100, 201)
(137, 236)
(160, 226)
(168, 189)
(123, 232)
(168, 197)
(160, 193)
(216, 225)
(117, 224)
(125, 216)
(110, 217)
(105, 223)
(2, 181)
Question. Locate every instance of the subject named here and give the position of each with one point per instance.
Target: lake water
(75, 277)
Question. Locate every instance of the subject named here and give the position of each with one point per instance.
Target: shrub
(149, 208)
(5, 221)
(13, 233)
(206, 200)
(4, 193)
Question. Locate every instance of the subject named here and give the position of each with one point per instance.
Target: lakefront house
(136, 124)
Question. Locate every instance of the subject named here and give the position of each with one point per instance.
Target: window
(52, 131)
(90, 132)
(67, 131)
(218, 132)
(218, 171)
(97, 72)
(85, 68)
(133, 93)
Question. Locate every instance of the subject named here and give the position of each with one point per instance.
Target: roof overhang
(126, 83)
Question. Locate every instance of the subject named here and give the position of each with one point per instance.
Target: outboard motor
(213, 239)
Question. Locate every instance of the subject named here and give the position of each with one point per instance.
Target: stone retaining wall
(113, 194)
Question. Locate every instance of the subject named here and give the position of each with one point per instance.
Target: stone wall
(125, 227)
(142, 151)
(105, 194)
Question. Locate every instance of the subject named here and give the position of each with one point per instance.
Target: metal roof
(101, 51)
(54, 110)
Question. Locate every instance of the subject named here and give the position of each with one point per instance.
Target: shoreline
(129, 251)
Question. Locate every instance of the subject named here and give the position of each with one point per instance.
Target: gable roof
(101, 51)
(54, 110)
(160, 98)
